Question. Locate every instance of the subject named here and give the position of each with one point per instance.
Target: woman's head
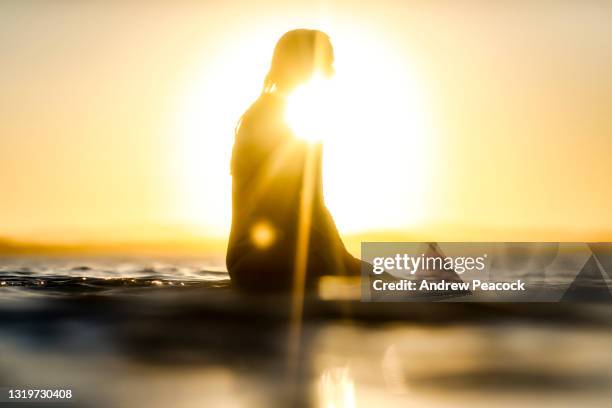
(298, 55)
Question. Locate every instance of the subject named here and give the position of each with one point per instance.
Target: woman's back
(266, 168)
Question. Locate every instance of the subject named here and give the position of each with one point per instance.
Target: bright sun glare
(373, 120)
(310, 110)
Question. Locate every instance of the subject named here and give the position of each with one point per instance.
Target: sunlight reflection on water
(336, 388)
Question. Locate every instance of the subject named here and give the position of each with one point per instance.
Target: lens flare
(263, 234)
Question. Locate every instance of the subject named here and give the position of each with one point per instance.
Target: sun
(371, 117)
(310, 110)
(372, 120)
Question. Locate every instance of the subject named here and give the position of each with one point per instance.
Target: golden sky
(117, 117)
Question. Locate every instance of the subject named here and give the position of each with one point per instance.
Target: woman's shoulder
(266, 111)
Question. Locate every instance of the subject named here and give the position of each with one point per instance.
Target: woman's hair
(297, 56)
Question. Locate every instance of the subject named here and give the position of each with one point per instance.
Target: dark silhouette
(268, 164)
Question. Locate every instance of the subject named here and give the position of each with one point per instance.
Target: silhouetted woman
(268, 164)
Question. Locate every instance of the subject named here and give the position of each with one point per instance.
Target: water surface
(126, 332)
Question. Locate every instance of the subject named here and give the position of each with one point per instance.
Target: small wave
(84, 283)
(76, 276)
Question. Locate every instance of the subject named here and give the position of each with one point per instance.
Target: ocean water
(132, 332)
